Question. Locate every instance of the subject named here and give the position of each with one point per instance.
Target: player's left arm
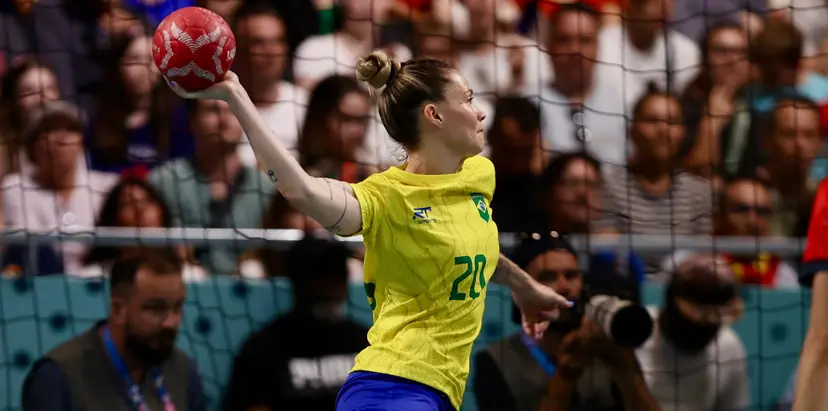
(528, 293)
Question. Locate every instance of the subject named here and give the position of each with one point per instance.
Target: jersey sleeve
(371, 195)
(816, 249)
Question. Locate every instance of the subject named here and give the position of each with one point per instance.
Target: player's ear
(433, 115)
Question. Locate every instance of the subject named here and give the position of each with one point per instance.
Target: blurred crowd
(672, 117)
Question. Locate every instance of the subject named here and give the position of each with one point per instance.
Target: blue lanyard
(133, 390)
(542, 359)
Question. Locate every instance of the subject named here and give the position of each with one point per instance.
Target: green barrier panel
(37, 314)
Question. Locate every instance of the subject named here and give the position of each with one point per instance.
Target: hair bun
(377, 69)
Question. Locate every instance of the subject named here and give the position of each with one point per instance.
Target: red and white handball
(194, 47)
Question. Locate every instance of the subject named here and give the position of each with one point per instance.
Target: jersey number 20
(473, 267)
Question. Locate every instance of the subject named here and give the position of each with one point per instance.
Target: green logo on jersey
(480, 203)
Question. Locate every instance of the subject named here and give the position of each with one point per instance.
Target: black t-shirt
(294, 363)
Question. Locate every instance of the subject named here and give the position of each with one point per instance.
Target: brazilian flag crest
(480, 204)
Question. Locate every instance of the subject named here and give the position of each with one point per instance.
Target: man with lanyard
(574, 367)
(129, 361)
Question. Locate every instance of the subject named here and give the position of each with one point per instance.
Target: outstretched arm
(535, 301)
(509, 274)
(330, 202)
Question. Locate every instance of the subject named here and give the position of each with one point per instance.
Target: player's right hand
(222, 90)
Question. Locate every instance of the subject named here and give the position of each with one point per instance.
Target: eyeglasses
(741, 208)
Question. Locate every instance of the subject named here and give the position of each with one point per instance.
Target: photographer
(575, 366)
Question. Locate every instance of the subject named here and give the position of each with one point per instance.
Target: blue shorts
(371, 391)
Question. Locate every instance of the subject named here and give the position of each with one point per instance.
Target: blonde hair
(377, 69)
(403, 89)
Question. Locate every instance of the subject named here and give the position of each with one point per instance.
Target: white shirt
(604, 132)
(29, 206)
(631, 69)
(285, 117)
(321, 56)
(715, 379)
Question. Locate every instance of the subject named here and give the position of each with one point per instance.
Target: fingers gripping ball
(194, 47)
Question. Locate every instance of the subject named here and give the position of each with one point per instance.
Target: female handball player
(431, 245)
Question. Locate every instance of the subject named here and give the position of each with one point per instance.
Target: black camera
(610, 305)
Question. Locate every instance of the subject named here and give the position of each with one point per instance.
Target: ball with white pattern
(194, 47)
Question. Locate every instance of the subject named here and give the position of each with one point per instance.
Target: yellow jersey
(430, 249)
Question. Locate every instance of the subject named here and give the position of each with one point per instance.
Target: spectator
(339, 113)
(214, 189)
(137, 124)
(321, 56)
(788, 148)
(580, 109)
(57, 191)
(745, 210)
(575, 366)
(439, 44)
(28, 84)
(571, 202)
(61, 34)
(653, 196)
(497, 61)
(300, 361)
(644, 50)
(436, 44)
(809, 16)
(133, 203)
(715, 108)
(516, 151)
(694, 360)
(110, 19)
(777, 54)
(609, 10)
(261, 59)
(130, 356)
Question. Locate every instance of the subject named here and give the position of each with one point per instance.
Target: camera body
(612, 306)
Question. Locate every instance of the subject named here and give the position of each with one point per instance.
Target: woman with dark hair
(338, 115)
(137, 123)
(25, 86)
(132, 203)
(571, 201)
(716, 113)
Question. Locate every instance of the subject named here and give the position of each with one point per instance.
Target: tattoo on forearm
(335, 228)
(272, 176)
